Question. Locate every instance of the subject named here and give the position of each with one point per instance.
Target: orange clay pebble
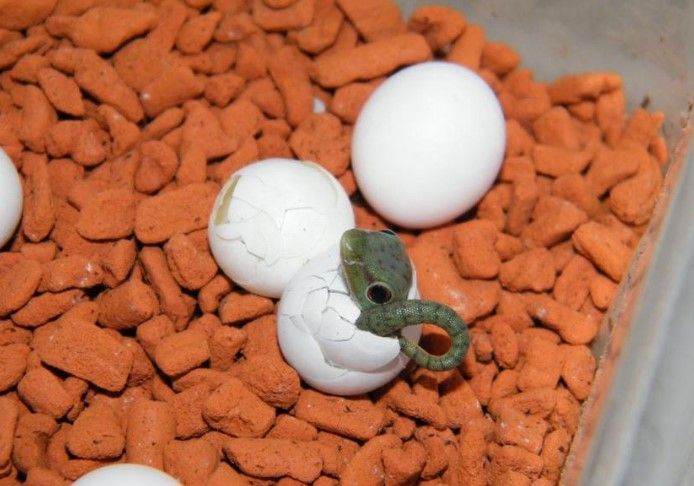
(236, 307)
(44, 393)
(374, 19)
(71, 272)
(577, 87)
(288, 427)
(524, 195)
(531, 270)
(504, 343)
(542, 365)
(45, 307)
(31, 437)
(573, 284)
(297, 15)
(350, 98)
(572, 326)
(602, 291)
(600, 245)
(474, 252)
(367, 465)
(401, 399)
(356, 418)
(109, 216)
(274, 458)
(458, 401)
(13, 358)
(354, 64)
(467, 49)
(192, 461)
(291, 77)
(175, 85)
(440, 25)
(158, 165)
(211, 293)
(557, 161)
(85, 141)
(553, 220)
(96, 434)
(151, 425)
(18, 284)
(578, 370)
(609, 167)
(127, 305)
(499, 58)
(191, 267)
(403, 466)
(86, 351)
(271, 379)
(518, 429)
(322, 138)
(187, 409)
(575, 189)
(235, 410)
(632, 200)
(62, 91)
(182, 351)
(175, 304)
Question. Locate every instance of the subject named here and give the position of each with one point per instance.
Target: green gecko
(378, 274)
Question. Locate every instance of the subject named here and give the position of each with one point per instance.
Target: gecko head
(375, 266)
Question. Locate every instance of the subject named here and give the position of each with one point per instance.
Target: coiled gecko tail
(390, 319)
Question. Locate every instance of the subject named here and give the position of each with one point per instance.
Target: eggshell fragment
(317, 335)
(271, 217)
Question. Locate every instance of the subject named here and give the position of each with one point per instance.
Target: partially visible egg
(318, 338)
(126, 475)
(271, 217)
(427, 144)
(10, 198)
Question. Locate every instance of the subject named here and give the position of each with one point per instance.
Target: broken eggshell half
(271, 217)
(317, 335)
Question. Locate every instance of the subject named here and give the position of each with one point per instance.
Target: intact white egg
(318, 338)
(428, 143)
(271, 217)
(10, 198)
(126, 475)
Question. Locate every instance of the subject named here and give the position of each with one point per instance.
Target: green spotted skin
(379, 276)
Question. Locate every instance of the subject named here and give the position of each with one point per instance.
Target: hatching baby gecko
(378, 275)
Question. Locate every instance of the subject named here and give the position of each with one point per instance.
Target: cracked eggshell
(271, 217)
(428, 143)
(317, 335)
(10, 198)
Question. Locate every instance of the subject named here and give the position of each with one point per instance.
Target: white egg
(271, 217)
(318, 338)
(428, 144)
(10, 198)
(126, 475)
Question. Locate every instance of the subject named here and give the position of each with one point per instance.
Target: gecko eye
(378, 293)
(388, 232)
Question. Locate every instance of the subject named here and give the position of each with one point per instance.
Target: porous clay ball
(126, 475)
(10, 198)
(317, 335)
(428, 144)
(271, 217)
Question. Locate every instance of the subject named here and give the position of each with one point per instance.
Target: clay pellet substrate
(121, 341)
